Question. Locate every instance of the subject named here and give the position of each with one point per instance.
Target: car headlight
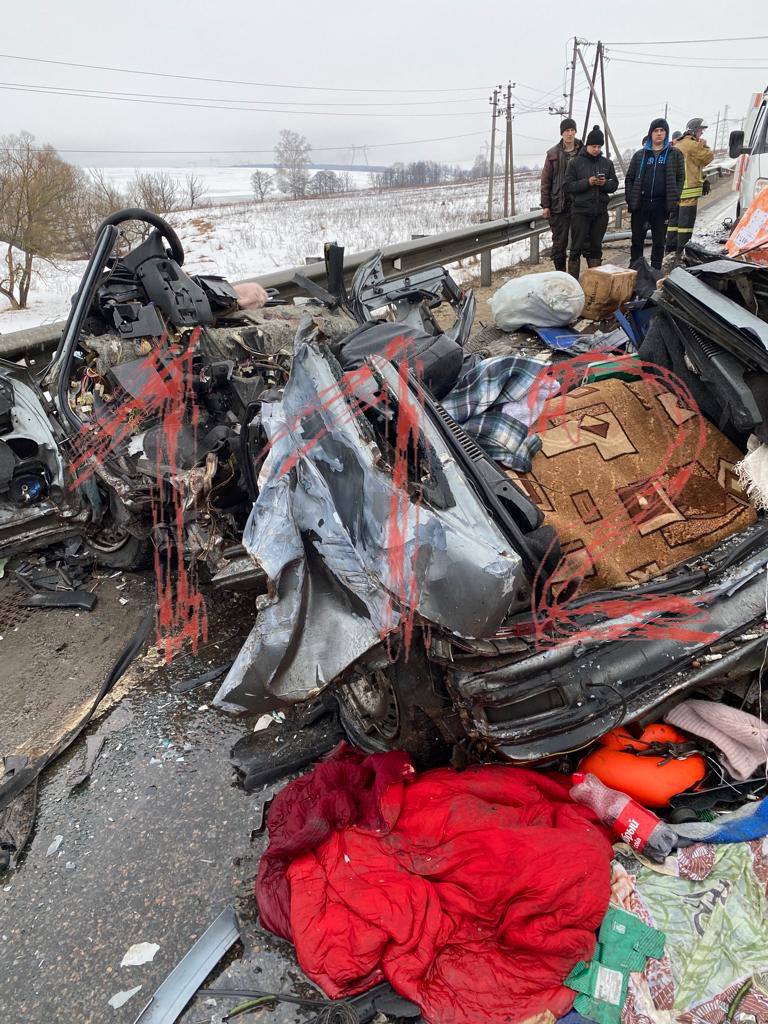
(759, 186)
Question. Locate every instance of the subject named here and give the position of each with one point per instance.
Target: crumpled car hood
(351, 552)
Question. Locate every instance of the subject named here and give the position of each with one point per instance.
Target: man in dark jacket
(652, 189)
(555, 201)
(590, 180)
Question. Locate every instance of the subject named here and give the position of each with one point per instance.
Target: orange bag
(619, 763)
(750, 236)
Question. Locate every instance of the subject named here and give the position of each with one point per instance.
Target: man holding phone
(590, 179)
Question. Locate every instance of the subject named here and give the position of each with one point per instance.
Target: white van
(750, 146)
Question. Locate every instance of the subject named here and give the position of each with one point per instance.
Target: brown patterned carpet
(633, 481)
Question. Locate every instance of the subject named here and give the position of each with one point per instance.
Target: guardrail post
(485, 268)
(619, 216)
(534, 256)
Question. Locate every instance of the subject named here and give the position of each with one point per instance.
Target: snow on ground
(245, 239)
(221, 184)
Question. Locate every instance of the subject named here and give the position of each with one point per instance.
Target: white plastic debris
(552, 299)
(140, 953)
(263, 722)
(121, 998)
(57, 841)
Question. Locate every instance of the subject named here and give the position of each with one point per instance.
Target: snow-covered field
(221, 184)
(245, 239)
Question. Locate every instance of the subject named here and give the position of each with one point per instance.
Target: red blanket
(473, 893)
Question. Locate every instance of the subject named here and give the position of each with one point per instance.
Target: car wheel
(115, 548)
(383, 709)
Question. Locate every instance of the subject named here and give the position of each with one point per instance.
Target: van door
(752, 172)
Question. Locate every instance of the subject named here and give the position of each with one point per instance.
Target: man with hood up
(555, 201)
(696, 155)
(652, 189)
(590, 179)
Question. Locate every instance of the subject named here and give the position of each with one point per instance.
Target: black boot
(594, 263)
(574, 266)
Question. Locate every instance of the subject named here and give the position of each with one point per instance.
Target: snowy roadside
(239, 240)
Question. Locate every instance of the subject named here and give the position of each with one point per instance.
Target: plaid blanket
(495, 402)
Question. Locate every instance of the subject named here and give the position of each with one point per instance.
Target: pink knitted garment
(741, 738)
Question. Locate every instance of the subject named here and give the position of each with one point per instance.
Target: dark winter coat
(590, 199)
(553, 194)
(668, 162)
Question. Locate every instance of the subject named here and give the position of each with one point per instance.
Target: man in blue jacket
(590, 179)
(652, 189)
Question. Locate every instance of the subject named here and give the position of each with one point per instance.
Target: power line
(228, 152)
(675, 42)
(221, 99)
(682, 56)
(99, 94)
(232, 81)
(691, 67)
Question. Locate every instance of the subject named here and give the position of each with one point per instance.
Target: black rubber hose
(246, 462)
(165, 229)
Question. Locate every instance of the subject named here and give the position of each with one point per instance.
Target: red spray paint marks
(165, 398)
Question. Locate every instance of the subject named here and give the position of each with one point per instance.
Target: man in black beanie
(590, 179)
(652, 188)
(555, 201)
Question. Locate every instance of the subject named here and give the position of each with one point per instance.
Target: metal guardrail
(416, 254)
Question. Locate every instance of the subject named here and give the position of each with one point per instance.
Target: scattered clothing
(608, 479)
(496, 401)
(710, 902)
(473, 893)
(741, 738)
(624, 944)
(749, 822)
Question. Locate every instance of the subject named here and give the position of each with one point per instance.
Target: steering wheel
(165, 229)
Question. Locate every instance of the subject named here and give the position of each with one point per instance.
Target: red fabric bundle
(473, 893)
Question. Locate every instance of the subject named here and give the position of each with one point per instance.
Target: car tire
(384, 709)
(125, 552)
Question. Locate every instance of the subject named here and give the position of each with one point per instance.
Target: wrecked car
(445, 599)
(146, 403)
(508, 556)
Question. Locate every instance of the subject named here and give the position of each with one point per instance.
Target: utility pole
(509, 184)
(592, 88)
(725, 123)
(494, 101)
(600, 109)
(605, 105)
(666, 107)
(573, 78)
(717, 132)
(485, 257)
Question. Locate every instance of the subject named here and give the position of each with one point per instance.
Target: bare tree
(346, 181)
(195, 190)
(37, 188)
(261, 183)
(95, 197)
(156, 191)
(292, 159)
(324, 183)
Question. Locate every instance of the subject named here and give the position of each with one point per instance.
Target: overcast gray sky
(406, 45)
